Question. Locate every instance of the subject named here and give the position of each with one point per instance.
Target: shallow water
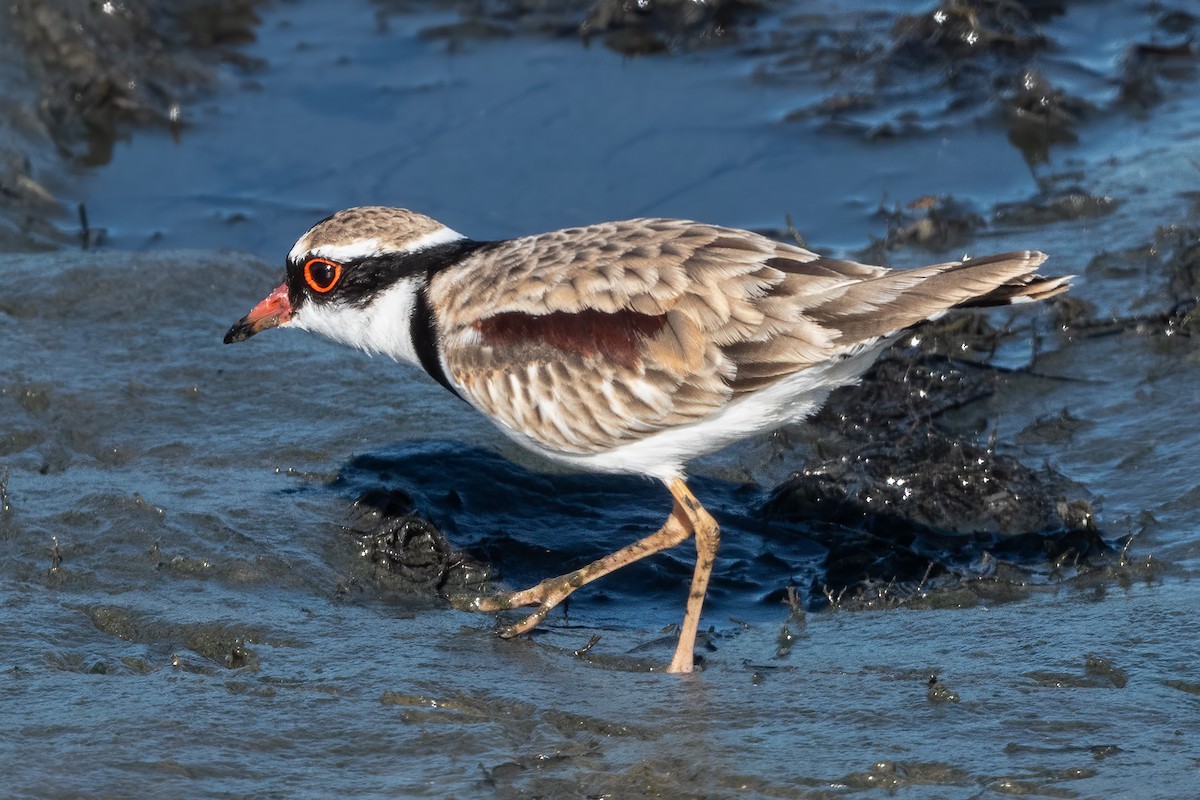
(498, 139)
(184, 611)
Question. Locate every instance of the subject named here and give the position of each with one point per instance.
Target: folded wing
(589, 338)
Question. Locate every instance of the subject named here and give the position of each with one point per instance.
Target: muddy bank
(79, 76)
(101, 69)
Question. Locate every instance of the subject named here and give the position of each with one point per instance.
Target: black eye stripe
(362, 279)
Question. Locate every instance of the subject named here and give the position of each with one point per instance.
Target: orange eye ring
(322, 275)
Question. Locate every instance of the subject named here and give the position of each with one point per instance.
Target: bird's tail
(895, 300)
(1027, 287)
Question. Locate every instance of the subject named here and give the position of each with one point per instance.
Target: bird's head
(354, 277)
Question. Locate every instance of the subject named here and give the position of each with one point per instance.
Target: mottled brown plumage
(628, 328)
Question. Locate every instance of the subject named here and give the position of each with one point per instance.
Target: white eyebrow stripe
(372, 246)
(442, 235)
(359, 248)
(300, 247)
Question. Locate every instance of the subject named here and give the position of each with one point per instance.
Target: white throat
(383, 326)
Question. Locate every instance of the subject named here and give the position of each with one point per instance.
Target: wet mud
(245, 556)
(87, 75)
(100, 69)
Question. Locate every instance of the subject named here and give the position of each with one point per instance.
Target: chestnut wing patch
(616, 336)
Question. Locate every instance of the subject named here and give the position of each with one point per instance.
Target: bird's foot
(546, 595)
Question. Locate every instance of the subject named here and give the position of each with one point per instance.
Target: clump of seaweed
(405, 554)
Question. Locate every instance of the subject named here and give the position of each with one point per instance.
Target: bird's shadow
(528, 525)
(444, 516)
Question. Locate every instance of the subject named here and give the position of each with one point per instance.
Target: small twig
(795, 234)
(85, 230)
(924, 578)
(835, 602)
(55, 556)
(792, 600)
(1124, 559)
(591, 643)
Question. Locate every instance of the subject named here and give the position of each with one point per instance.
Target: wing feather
(589, 338)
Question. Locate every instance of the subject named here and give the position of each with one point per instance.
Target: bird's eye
(322, 275)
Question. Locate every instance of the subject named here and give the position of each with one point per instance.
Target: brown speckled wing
(588, 338)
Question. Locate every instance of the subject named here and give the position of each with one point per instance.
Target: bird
(627, 347)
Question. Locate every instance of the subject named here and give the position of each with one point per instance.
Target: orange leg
(687, 517)
(552, 591)
(708, 539)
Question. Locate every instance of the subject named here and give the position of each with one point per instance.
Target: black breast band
(425, 340)
(424, 330)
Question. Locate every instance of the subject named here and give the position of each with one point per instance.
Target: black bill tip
(242, 330)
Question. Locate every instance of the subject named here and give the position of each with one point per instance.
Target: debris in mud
(19, 188)
(939, 693)
(103, 67)
(5, 502)
(784, 642)
(1166, 272)
(1055, 205)
(217, 643)
(1149, 64)
(1042, 115)
(963, 29)
(654, 26)
(908, 512)
(895, 775)
(56, 558)
(405, 554)
(1182, 266)
(644, 27)
(1097, 673)
(932, 223)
